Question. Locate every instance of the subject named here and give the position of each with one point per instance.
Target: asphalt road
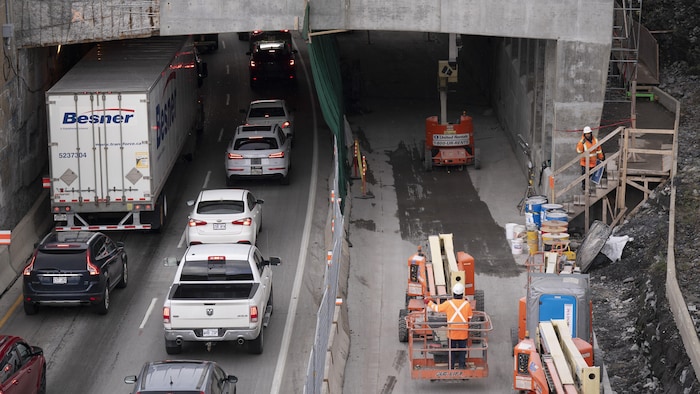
(91, 354)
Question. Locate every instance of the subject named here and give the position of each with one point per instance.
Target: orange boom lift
(426, 331)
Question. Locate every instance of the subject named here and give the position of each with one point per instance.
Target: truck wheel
(285, 179)
(256, 345)
(479, 300)
(477, 158)
(269, 303)
(103, 307)
(171, 347)
(125, 276)
(428, 159)
(30, 308)
(513, 340)
(403, 329)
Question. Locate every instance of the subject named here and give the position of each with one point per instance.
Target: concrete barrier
(33, 226)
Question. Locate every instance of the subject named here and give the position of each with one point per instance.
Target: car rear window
(219, 291)
(266, 112)
(204, 270)
(272, 55)
(69, 260)
(220, 207)
(255, 144)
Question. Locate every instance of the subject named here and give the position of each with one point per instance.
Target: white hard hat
(587, 130)
(458, 288)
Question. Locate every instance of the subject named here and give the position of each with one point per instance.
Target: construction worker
(585, 144)
(459, 312)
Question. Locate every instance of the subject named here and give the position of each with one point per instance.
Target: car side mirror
(295, 51)
(131, 379)
(232, 379)
(171, 261)
(274, 261)
(260, 201)
(190, 203)
(120, 244)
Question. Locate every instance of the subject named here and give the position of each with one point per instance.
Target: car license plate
(60, 280)
(59, 217)
(256, 171)
(219, 226)
(210, 332)
(255, 160)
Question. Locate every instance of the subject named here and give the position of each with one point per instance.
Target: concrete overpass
(547, 68)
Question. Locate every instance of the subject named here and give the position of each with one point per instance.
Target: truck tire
(427, 159)
(171, 347)
(479, 300)
(103, 306)
(477, 158)
(513, 340)
(256, 345)
(403, 329)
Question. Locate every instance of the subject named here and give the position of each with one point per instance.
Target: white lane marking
(296, 288)
(221, 135)
(223, 43)
(228, 99)
(148, 313)
(182, 238)
(206, 180)
(227, 71)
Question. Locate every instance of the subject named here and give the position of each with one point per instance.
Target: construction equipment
(449, 144)
(553, 343)
(426, 331)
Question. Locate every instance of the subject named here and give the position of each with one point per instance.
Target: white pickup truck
(221, 292)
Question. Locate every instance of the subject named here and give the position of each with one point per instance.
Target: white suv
(271, 111)
(258, 151)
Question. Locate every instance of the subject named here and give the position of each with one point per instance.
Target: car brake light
(276, 155)
(253, 314)
(195, 223)
(286, 124)
(28, 269)
(166, 314)
(243, 222)
(92, 268)
(234, 156)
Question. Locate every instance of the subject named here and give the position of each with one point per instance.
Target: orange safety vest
(458, 313)
(584, 145)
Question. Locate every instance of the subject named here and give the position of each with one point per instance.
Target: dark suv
(74, 268)
(182, 377)
(22, 367)
(272, 60)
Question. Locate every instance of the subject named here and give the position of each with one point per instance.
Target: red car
(23, 367)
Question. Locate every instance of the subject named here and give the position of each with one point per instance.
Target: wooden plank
(438, 269)
(551, 343)
(588, 377)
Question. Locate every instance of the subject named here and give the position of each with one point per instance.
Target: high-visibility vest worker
(458, 311)
(586, 142)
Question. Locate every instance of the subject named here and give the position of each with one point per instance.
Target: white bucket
(510, 230)
(516, 246)
(519, 231)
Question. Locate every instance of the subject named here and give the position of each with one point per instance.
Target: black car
(272, 60)
(182, 377)
(79, 268)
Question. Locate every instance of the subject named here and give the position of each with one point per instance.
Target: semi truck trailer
(117, 124)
